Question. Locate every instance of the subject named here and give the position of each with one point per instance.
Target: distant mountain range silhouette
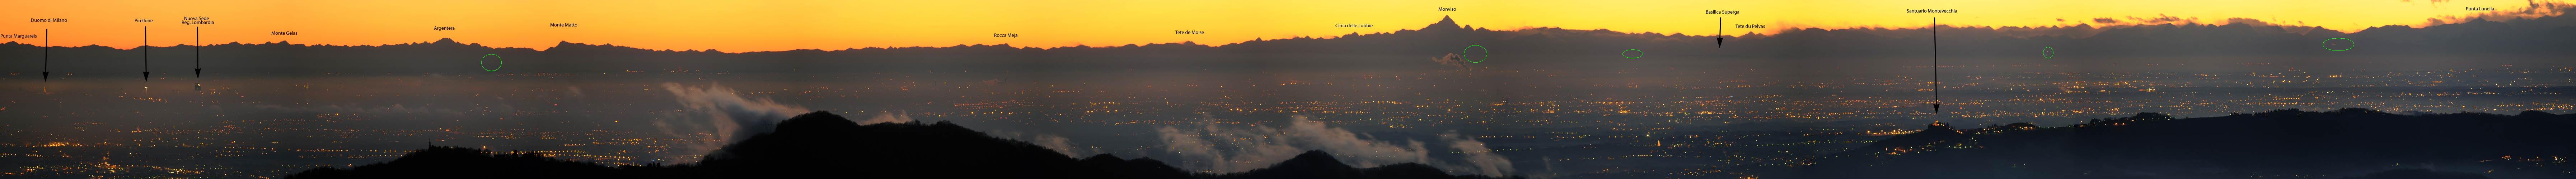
(2354, 143)
(823, 145)
(2473, 43)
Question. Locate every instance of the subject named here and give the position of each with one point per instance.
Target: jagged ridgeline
(823, 145)
(2344, 143)
(2474, 43)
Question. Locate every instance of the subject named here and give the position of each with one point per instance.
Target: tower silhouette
(48, 72)
(147, 53)
(1936, 65)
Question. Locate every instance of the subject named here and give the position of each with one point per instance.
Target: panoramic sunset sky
(787, 25)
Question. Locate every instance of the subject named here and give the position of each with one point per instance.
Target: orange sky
(742, 26)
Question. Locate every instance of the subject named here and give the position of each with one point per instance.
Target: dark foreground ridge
(2348, 143)
(822, 145)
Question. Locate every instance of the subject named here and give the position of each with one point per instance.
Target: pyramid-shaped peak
(1444, 23)
(1312, 159)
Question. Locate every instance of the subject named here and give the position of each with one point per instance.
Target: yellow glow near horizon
(785, 25)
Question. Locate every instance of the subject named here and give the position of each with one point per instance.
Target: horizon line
(1444, 19)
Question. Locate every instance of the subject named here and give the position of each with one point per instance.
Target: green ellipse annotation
(496, 62)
